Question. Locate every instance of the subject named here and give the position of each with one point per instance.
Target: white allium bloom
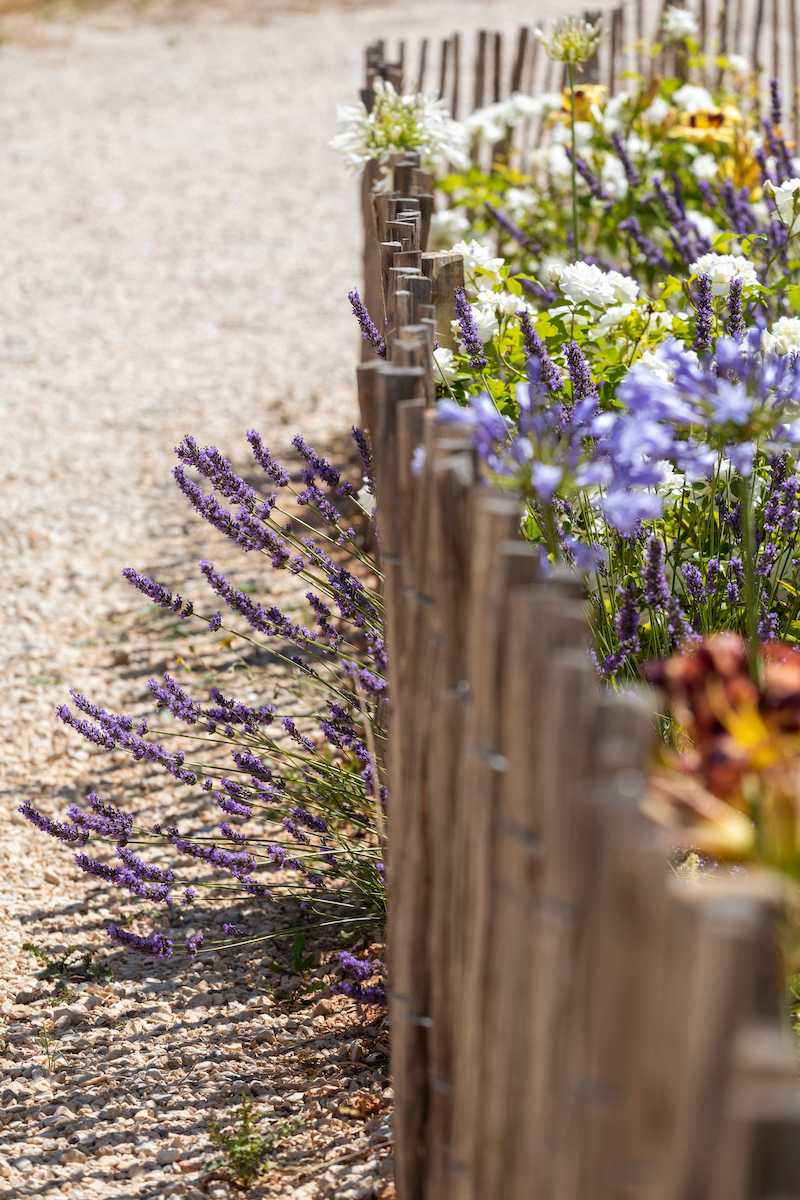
(679, 24)
(787, 199)
(475, 256)
(706, 167)
(572, 41)
(448, 225)
(738, 64)
(702, 223)
(584, 283)
(612, 317)
(397, 123)
(613, 177)
(723, 268)
(444, 365)
(692, 99)
(657, 112)
(783, 337)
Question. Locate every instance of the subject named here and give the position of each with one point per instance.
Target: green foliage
(244, 1151)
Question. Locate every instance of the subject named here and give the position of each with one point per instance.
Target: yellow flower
(586, 96)
(714, 125)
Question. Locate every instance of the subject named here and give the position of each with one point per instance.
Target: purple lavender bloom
(170, 695)
(583, 386)
(626, 625)
(270, 465)
(194, 942)
(470, 337)
(297, 736)
(693, 579)
(735, 325)
(312, 495)
(216, 468)
(214, 622)
(768, 626)
(318, 824)
(644, 244)
(155, 945)
(105, 819)
(631, 174)
(369, 330)
(510, 227)
(704, 315)
(548, 372)
(317, 464)
(588, 176)
(365, 454)
(654, 579)
(157, 592)
(144, 870)
(65, 832)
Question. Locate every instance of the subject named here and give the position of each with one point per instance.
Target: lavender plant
(300, 800)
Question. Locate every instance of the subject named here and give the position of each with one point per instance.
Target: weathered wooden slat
(757, 1152)
(479, 70)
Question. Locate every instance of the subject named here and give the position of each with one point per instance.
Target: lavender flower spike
(369, 330)
(535, 348)
(735, 315)
(705, 315)
(469, 331)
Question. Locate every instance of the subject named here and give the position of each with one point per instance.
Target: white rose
(783, 337)
(722, 268)
(692, 99)
(584, 283)
(705, 167)
(786, 199)
(476, 256)
(657, 112)
(444, 363)
(486, 321)
(504, 302)
(679, 23)
(612, 317)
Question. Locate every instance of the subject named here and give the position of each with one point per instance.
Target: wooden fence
(765, 32)
(570, 1018)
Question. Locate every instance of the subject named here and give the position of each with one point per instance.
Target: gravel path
(175, 245)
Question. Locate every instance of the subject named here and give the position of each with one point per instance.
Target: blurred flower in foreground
(679, 24)
(731, 787)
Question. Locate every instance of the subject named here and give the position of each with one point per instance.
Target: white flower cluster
(478, 257)
(585, 283)
(787, 200)
(679, 24)
(396, 124)
(494, 120)
(691, 99)
(722, 268)
(783, 337)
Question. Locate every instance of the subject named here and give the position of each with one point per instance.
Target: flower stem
(574, 141)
